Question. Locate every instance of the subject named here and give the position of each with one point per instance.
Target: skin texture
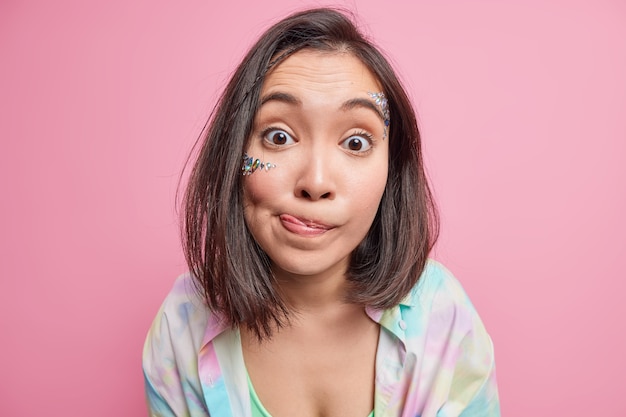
(318, 178)
(324, 133)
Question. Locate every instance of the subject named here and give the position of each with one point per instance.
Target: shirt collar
(391, 319)
(215, 326)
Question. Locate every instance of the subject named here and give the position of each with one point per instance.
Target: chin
(310, 266)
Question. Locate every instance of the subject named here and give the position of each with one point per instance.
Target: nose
(316, 180)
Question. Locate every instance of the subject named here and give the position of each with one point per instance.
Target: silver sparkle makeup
(251, 164)
(383, 104)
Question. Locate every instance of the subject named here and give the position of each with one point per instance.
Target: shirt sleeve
(172, 384)
(473, 390)
(470, 368)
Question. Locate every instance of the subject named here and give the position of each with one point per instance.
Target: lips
(303, 227)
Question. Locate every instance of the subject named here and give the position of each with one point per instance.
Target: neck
(309, 293)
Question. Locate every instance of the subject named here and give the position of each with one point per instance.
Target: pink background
(523, 112)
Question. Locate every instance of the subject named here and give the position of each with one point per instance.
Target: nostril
(307, 195)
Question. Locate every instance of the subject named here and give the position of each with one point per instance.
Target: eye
(357, 143)
(277, 137)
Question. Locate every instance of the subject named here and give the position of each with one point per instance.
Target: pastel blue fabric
(434, 356)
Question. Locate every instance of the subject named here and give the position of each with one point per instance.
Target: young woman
(308, 224)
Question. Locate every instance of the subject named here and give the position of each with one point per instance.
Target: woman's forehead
(321, 72)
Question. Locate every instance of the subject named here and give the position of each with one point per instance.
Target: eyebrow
(364, 103)
(282, 97)
(348, 105)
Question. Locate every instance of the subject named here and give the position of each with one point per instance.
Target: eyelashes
(360, 142)
(277, 137)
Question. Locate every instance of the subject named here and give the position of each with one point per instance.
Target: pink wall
(523, 109)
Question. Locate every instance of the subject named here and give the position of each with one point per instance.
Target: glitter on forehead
(381, 101)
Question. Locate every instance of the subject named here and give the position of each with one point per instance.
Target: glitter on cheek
(251, 164)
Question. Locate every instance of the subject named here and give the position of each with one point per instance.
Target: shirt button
(402, 324)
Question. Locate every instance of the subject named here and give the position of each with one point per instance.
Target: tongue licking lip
(303, 227)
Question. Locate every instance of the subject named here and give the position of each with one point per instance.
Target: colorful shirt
(434, 356)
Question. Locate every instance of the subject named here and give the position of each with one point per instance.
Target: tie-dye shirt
(434, 356)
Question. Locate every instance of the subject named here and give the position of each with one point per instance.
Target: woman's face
(325, 134)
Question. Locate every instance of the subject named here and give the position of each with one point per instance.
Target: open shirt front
(434, 356)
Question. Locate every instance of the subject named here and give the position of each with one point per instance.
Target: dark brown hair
(231, 270)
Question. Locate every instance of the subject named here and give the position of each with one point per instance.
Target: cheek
(261, 191)
(255, 197)
(368, 189)
(259, 187)
(253, 191)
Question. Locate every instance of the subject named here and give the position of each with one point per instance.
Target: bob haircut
(230, 269)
